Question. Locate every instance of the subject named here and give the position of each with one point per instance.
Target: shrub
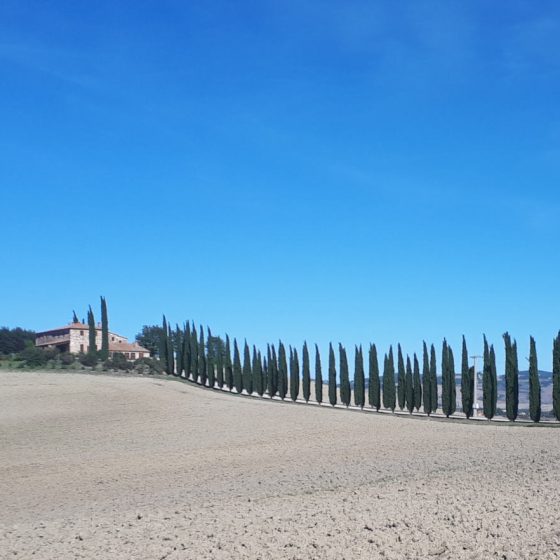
(67, 359)
(149, 365)
(34, 357)
(89, 359)
(119, 361)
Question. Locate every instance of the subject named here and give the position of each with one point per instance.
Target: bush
(148, 365)
(67, 359)
(89, 359)
(34, 357)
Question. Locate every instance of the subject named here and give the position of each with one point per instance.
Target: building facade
(74, 338)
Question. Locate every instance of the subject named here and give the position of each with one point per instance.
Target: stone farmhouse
(74, 338)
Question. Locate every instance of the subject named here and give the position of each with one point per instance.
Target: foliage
(282, 371)
(409, 387)
(67, 359)
(467, 382)
(417, 384)
(332, 376)
(104, 352)
(237, 373)
(534, 384)
(89, 359)
(489, 382)
(426, 381)
(33, 357)
(374, 388)
(389, 397)
(294, 374)
(556, 377)
(345, 392)
(512, 378)
(359, 378)
(14, 340)
(306, 374)
(318, 376)
(433, 379)
(148, 365)
(247, 371)
(150, 338)
(92, 333)
(401, 378)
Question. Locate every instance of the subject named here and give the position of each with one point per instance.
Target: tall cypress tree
(220, 368)
(556, 377)
(452, 381)
(194, 354)
(359, 378)
(228, 366)
(264, 362)
(489, 382)
(417, 385)
(256, 370)
(433, 379)
(534, 384)
(389, 397)
(202, 372)
(247, 371)
(318, 376)
(467, 382)
(272, 371)
(211, 361)
(282, 371)
(179, 351)
(409, 387)
(344, 377)
(187, 348)
(426, 381)
(512, 379)
(445, 378)
(237, 372)
(92, 332)
(332, 376)
(74, 317)
(401, 378)
(306, 374)
(294, 375)
(104, 354)
(374, 389)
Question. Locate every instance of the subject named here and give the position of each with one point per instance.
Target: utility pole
(475, 396)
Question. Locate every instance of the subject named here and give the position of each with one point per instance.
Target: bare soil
(106, 467)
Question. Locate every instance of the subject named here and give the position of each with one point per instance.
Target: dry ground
(107, 467)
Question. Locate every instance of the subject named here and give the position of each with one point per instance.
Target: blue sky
(347, 171)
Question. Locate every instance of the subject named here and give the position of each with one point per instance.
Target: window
(81, 348)
(81, 333)
(113, 339)
(133, 355)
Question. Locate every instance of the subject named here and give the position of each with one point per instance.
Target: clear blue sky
(351, 171)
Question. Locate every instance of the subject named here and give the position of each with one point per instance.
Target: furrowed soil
(107, 467)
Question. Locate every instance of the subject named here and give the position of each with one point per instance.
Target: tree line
(194, 353)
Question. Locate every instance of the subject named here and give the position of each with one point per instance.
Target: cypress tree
(467, 382)
(272, 371)
(409, 387)
(220, 368)
(359, 379)
(282, 371)
(179, 344)
(74, 317)
(194, 354)
(247, 371)
(211, 362)
(202, 358)
(345, 392)
(228, 366)
(452, 382)
(489, 382)
(104, 354)
(556, 377)
(417, 385)
(256, 369)
(264, 362)
(445, 378)
(374, 389)
(512, 379)
(187, 349)
(306, 374)
(401, 378)
(318, 376)
(92, 332)
(332, 376)
(389, 397)
(426, 381)
(237, 373)
(433, 379)
(534, 384)
(294, 375)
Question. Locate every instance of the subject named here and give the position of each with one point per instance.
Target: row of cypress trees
(186, 352)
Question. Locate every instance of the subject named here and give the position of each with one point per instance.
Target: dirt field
(108, 467)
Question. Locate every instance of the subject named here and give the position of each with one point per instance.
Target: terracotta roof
(126, 347)
(80, 326)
